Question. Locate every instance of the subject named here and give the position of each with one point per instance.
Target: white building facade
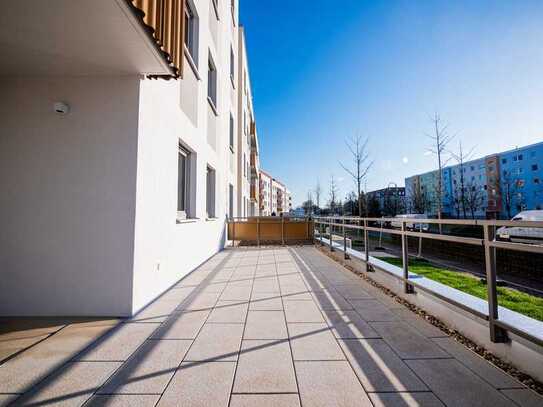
(116, 185)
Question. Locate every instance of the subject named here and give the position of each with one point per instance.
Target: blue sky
(322, 71)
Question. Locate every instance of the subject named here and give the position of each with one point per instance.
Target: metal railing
(498, 328)
(267, 229)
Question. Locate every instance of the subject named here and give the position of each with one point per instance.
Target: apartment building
(265, 193)
(119, 161)
(499, 185)
(275, 198)
(248, 149)
(390, 201)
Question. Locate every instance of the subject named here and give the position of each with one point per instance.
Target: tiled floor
(255, 327)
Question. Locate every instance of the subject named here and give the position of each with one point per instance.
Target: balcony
(68, 37)
(295, 328)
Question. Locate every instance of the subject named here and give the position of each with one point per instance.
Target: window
(472, 168)
(210, 192)
(535, 167)
(230, 200)
(232, 65)
(231, 132)
(212, 83)
(532, 154)
(183, 181)
(191, 32)
(537, 181)
(520, 157)
(504, 160)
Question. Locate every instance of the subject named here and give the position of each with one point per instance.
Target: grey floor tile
(333, 383)
(120, 343)
(265, 400)
(378, 367)
(9, 347)
(200, 385)
(156, 312)
(266, 325)
(149, 370)
(373, 310)
(297, 296)
(217, 342)
(349, 325)
(477, 364)
(266, 302)
(199, 301)
(182, 325)
(236, 293)
(71, 385)
(313, 341)
(422, 326)
(405, 400)
(455, 385)
(331, 300)
(229, 311)
(123, 400)
(20, 372)
(266, 284)
(302, 311)
(407, 343)
(353, 292)
(524, 397)
(265, 367)
(7, 399)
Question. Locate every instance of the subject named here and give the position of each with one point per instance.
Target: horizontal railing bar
(522, 247)
(447, 238)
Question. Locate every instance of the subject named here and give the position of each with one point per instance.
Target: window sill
(232, 149)
(186, 220)
(212, 105)
(215, 7)
(211, 219)
(192, 64)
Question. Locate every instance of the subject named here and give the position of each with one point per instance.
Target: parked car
(523, 234)
(411, 226)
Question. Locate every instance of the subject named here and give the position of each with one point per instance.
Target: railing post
(258, 231)
(497, 334)
(283, 230)
(408, 288)
(331, 240)
(367, 245)
(345, 254)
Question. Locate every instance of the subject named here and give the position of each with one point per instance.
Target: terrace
(275, 325)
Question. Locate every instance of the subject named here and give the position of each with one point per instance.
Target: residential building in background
(275, 198)
(496, 186)
(113, 174)
(387, 201)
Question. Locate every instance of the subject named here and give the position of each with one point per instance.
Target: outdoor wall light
(61, 108)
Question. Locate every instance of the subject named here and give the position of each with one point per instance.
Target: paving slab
(379, 368)
(28, 328)
(331, 300)
(123, 400)
(216, 342)
(405, 400)
(120, 343)
(302, 311)
(71, 386)
(265, 367)
(331, 383)
(265, 301)
(265, 325)
(156, 312)
(25, 369)
(311, 341)
(9, 347)
(353, 292)
(265, 400)
(182, 325)
(407, 342)
(229, 311)
(456, 385)
(149, 369)
(373, 310)
(524, 397)
(349, 325)
(206, 384)
(422, 326)
(297, 296)
(236, 293)
(478, 365)
(266, 284)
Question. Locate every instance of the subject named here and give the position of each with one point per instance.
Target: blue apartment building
(495, 186)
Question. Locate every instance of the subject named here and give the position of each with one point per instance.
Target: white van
(408, 216)
(523, 234)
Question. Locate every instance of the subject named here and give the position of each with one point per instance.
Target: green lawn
(507, 297)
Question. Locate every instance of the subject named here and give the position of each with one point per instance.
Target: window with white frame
(191, 32)
(232, 64)
(183, 183)
(210, 192)
(212, 82)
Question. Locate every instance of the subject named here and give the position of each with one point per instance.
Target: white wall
(68, 195)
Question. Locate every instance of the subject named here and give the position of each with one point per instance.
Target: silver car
(523, 234)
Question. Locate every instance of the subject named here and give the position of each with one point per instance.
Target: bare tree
(440, 140)
(333, 193)
(362, 164)
(460, 191)
(318, 191)
(418, 201)
(309, 209)
(474, 198)
(510, 193)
